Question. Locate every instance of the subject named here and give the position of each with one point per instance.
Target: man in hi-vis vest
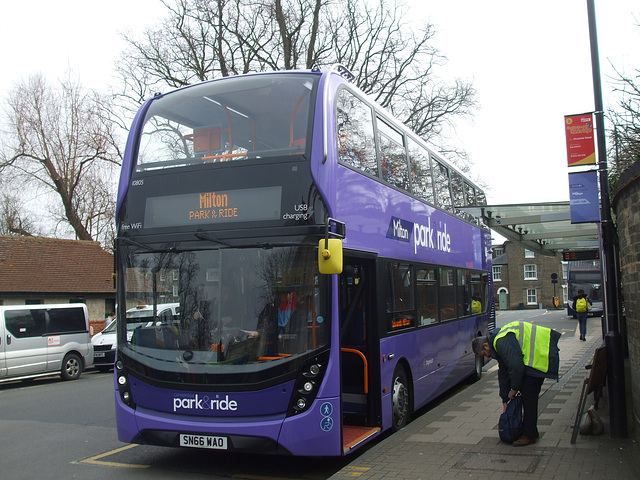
(526, 355)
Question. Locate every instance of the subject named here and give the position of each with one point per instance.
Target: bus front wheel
(477, 374)
(400, 399)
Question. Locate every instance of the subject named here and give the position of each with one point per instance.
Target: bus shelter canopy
(545, 228)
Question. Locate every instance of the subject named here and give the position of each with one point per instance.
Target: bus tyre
(71, 367)
(400, 399)
(477, 375)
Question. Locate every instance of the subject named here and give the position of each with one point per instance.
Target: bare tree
(58, 142)
(394, 61)
(624, 137)
(14, 219)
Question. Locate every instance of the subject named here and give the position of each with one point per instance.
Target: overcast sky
(529, 62)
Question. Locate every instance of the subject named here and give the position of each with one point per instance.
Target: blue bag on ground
(510, 423)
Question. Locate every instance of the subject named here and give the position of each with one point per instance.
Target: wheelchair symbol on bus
(326, 409)
(326, 424)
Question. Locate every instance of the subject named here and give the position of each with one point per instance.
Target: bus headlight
(308, 383)
(124, 387)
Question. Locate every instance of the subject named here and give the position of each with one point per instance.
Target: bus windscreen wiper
(148, 248)
(137, 244)
(203, 236)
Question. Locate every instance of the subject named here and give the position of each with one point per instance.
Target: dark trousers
(582, 321)
(530, 391)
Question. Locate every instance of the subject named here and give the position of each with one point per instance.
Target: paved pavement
(459, 438)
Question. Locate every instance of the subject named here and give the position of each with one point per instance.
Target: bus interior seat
(207, 144)
(207, 140)
(157, 336)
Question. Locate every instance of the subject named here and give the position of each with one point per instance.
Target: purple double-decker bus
(325, 278)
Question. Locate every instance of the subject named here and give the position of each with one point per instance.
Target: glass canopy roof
(545, 228)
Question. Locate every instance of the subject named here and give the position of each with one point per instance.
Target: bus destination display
(245, 205)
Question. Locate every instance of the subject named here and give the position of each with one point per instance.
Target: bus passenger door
(359, 368)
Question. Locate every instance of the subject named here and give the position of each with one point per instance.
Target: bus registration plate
(203, 441)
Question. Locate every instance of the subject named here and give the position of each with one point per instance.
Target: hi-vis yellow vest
(476, 306)
(534, 340)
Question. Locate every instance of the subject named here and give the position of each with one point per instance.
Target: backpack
(510, 423)
(581, 305)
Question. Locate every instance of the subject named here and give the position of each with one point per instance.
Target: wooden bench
(594, 382)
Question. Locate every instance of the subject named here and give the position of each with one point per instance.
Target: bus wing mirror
(330, 256)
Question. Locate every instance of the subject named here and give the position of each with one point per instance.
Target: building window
(497, 273)
(109, 306)
(532, 296)
(497, 251)
(530, 272)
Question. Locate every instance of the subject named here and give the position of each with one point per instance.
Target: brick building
(36, 270)
(522, 278)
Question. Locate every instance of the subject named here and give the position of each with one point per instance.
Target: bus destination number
(203, 441)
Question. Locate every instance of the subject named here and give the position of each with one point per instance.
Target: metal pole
(613, 339)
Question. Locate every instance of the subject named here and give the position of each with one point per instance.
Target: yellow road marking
(96, 459)
(354, 471)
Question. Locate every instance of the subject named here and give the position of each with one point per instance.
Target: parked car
(39, 340)
(104, 347)
(104, 343)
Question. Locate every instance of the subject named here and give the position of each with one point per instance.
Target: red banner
(581, 148)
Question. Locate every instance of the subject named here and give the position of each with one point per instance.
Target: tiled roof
(501, 260)
(51, 265)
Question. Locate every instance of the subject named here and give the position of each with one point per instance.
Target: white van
(38, 340)
(104, 343)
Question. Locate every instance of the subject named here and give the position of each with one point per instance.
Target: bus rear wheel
(400, 399)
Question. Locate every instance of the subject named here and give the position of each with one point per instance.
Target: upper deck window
(231, 119)
(441, 177)
(393, 158)
(421, 178)
(356, 144)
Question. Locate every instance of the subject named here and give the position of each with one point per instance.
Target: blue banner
(584, 198)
